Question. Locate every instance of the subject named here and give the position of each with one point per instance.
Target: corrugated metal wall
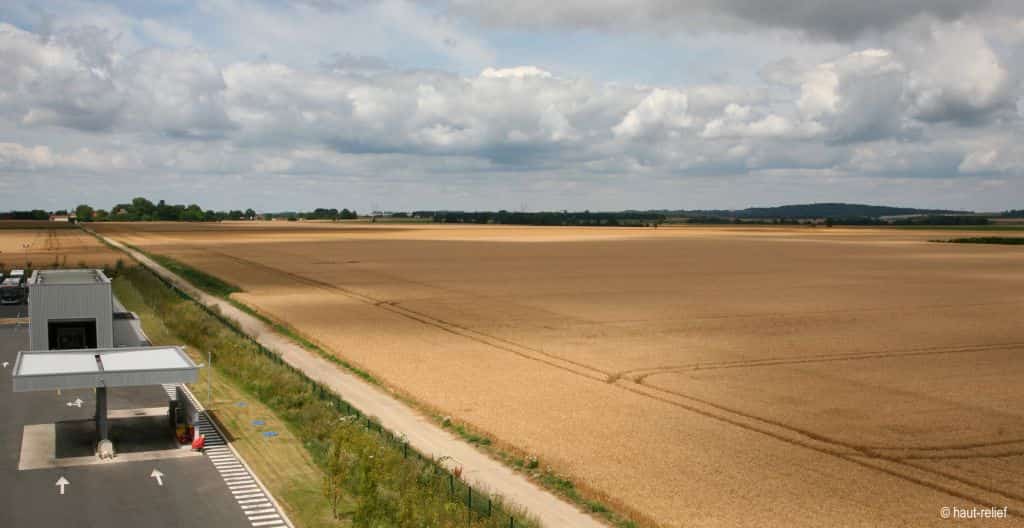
(55, 302)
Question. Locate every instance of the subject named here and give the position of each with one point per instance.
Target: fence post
(451, 484)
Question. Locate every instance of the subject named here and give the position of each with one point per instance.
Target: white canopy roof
(109, 367)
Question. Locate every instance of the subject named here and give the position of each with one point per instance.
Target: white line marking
(249, 493)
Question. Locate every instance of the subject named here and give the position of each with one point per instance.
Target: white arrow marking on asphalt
(62, 482)
(158, 476)
(76, 403)
(6, 363)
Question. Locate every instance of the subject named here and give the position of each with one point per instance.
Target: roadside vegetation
(368, 477)
(1016, 241)
(282, 463)
(203, 281)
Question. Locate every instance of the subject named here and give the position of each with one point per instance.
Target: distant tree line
(316, 214)
(943, 220)
(938, 220)
(1013, 213)
(35, 214)
(143, 210)
(563, 218)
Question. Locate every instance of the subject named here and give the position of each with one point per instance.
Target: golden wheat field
(32, 244)
(694, 376)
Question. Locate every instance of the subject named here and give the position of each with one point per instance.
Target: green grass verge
(282, 463)
(986, 227)
(385, 482)
(202, 280)
(1012, 241)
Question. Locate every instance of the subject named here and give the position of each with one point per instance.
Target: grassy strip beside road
(203, 281)
(1012, 241)
(369, 477)
(526, 464)
(282, 462)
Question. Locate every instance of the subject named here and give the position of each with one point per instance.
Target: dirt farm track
(694, 376)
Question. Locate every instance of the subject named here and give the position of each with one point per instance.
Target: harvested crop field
(50, 245)
(699, 376)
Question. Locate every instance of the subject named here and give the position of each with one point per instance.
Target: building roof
(73, 276)
(109, 367)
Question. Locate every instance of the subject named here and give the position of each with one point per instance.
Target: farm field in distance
(50, 245)
(698, 376)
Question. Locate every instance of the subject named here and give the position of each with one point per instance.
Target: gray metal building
(70, 309)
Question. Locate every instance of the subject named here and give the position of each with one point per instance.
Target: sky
(527, 105)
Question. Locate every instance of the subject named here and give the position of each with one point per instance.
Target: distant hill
(820, 210)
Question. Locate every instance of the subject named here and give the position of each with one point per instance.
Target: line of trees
(563, 218)
(316, 214)
(143, 210)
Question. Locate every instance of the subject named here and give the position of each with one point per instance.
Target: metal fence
(478, 504)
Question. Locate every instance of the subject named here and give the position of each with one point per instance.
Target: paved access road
(478, 468)
(116, 495)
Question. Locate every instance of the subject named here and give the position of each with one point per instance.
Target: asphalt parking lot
(189, 491)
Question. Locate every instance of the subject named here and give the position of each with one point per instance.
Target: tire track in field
(553, 360)
(641, 374)
(838, 449)
(861, 455)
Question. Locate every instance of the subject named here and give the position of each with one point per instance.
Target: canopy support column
(102, 428)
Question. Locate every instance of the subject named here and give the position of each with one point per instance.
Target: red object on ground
(199, 442)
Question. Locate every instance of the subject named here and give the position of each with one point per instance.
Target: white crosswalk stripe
(248, 492)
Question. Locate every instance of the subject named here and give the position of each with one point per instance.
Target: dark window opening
(70, 335)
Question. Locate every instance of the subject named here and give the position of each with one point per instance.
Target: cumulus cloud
(662, 112)
(957, 76)
(80, 80)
